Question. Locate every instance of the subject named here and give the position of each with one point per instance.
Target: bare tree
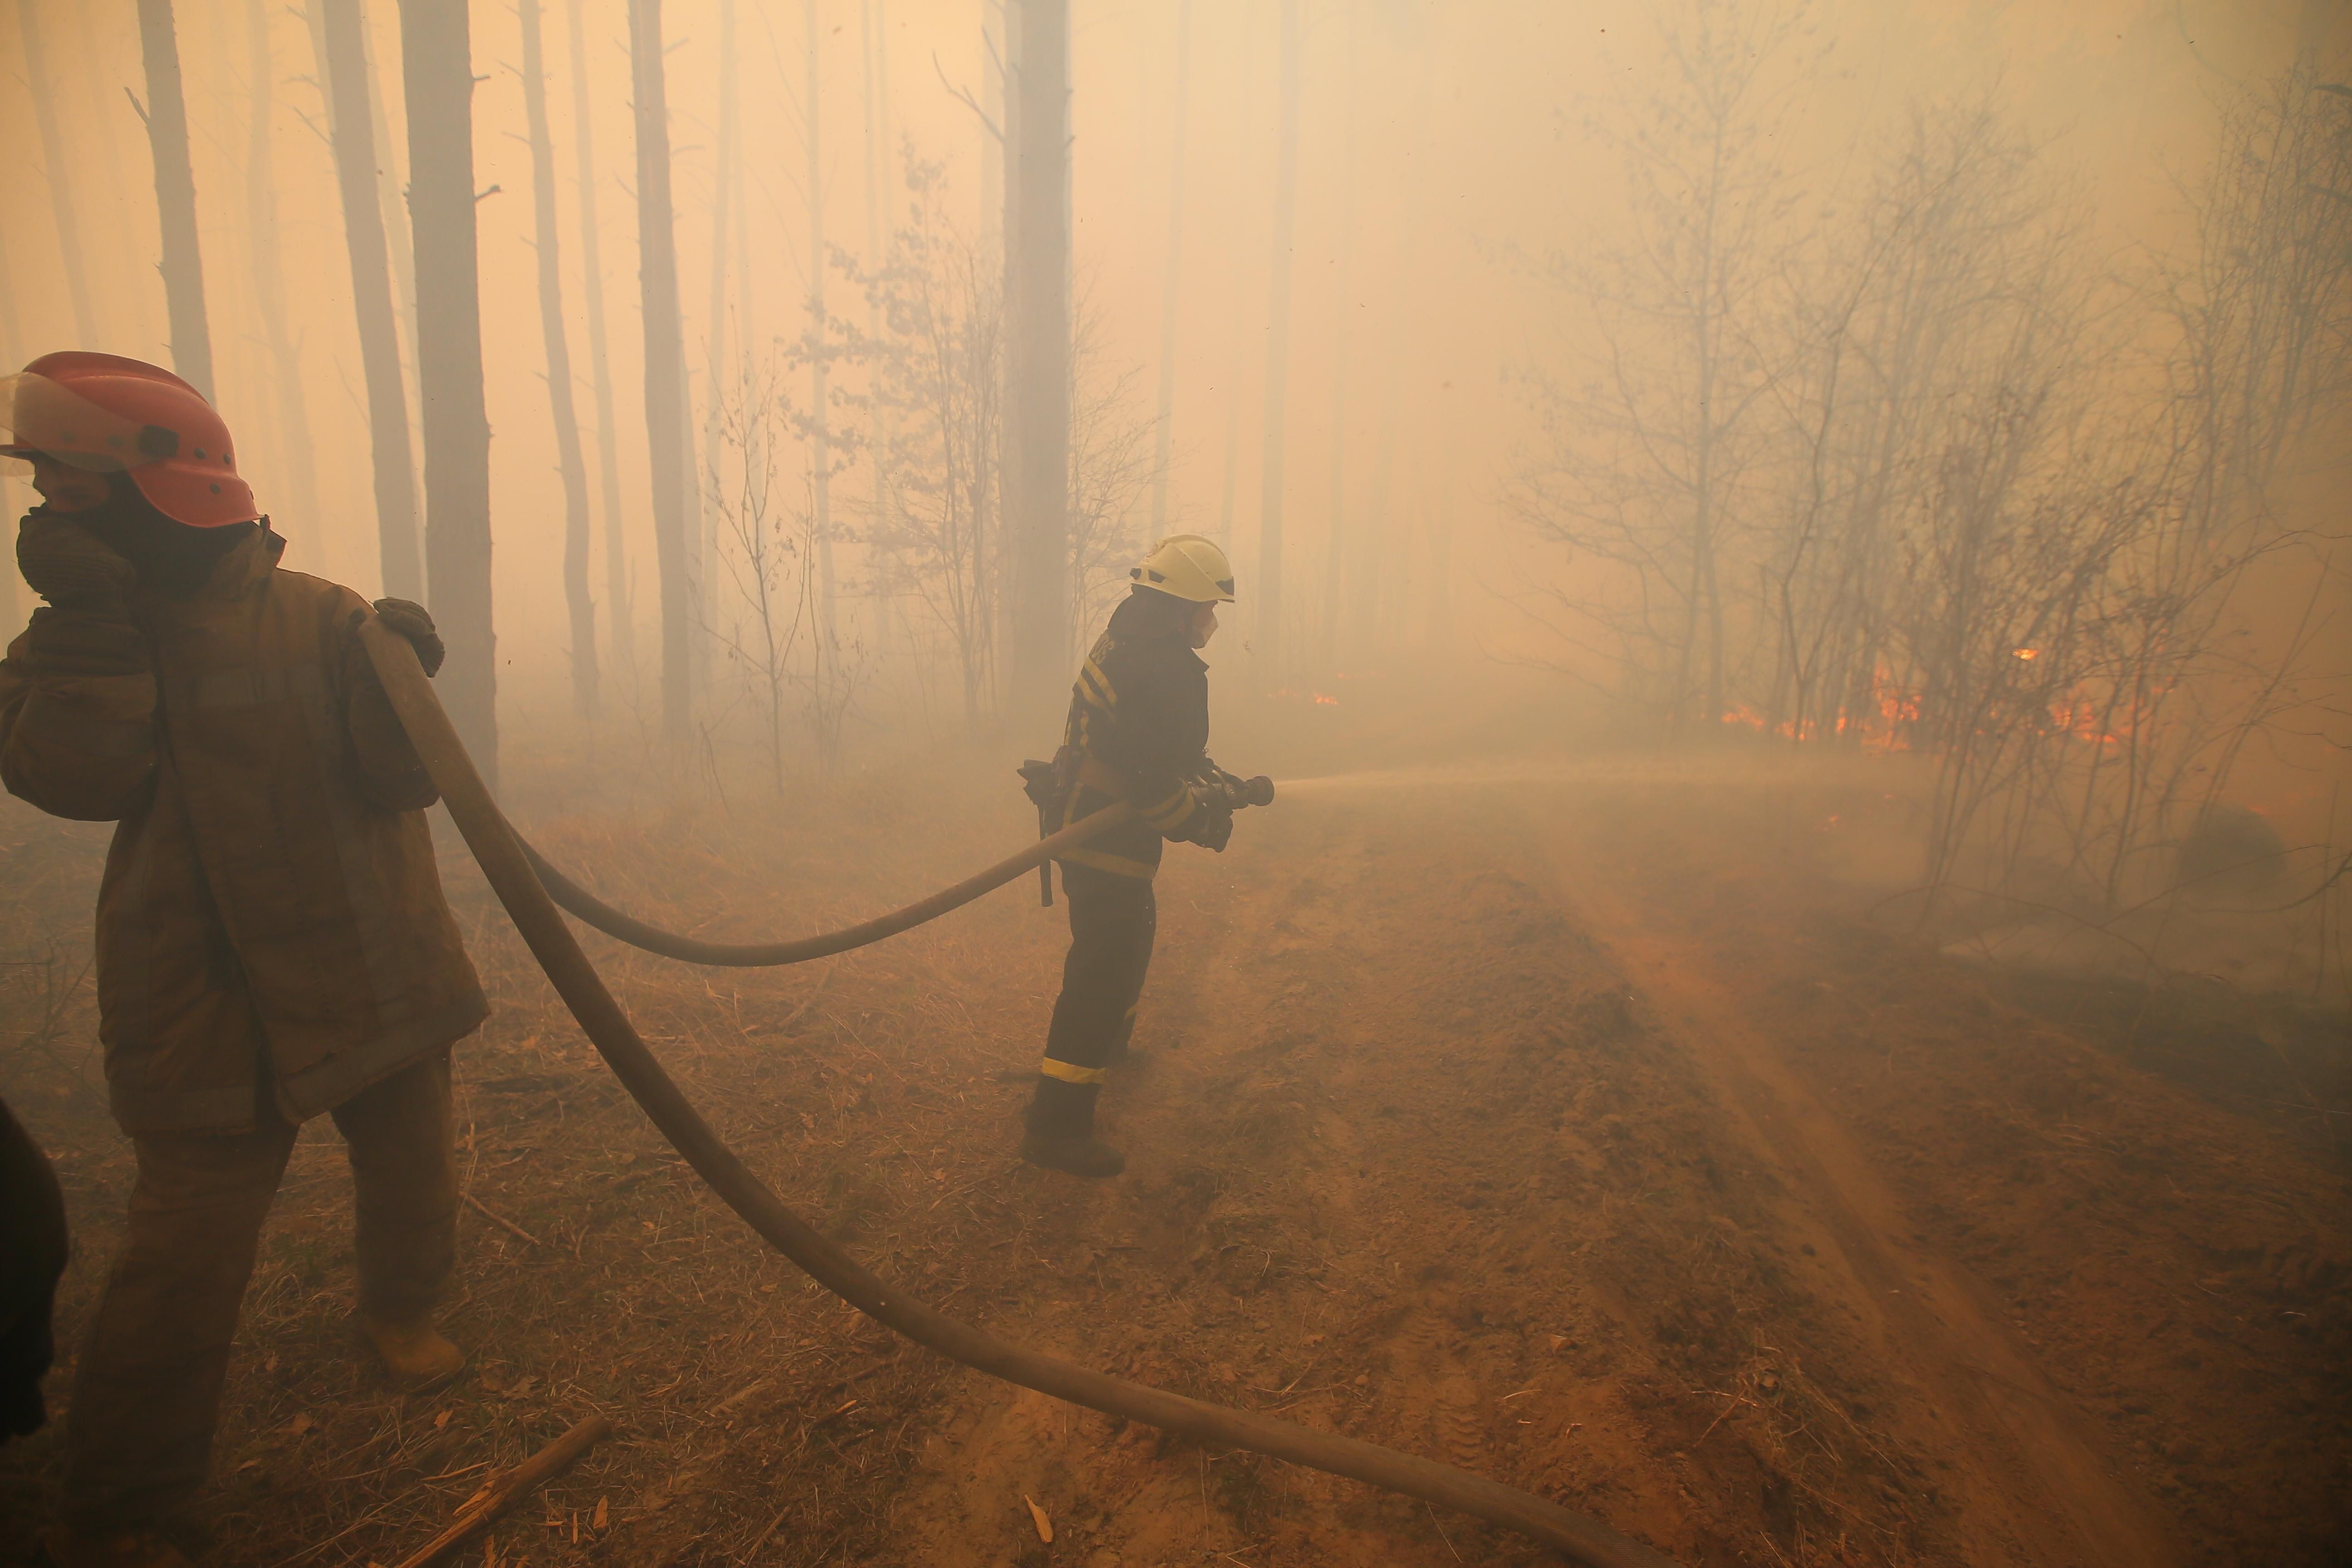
(1337, 524)
(935, 374)
(166, 114)
(817, 354)
(1114, 465)
(569, 462)
(1165, 409)
(1268, 640)
(1647, 456)
(618, 605)
(269, 272)
(437, 76)
(722, 191)
(1037, 354)
(761, 552)
(665, 360)
(40, 86)
(342, 71)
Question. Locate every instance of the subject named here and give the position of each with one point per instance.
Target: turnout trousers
(147, 1393)
(1112, 922)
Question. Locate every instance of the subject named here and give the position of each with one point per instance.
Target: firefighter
(1137, 731)
(272, 940)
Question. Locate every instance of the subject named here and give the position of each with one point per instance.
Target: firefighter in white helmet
(1137, 731)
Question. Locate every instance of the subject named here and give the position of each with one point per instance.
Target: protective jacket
(1139, 716)
(270, 920)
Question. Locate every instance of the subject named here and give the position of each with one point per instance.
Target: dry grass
(875, 1092)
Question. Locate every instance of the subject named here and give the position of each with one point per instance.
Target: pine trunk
(438, 78)
(391, 198)
(176, 196)
(62, 174)
(1038, 345)
(828, 644)
(269, 273)
(714, 350)
(568, 459)
(1278, 358)
(342, 66)
(1164, 424)
(1338, 528)
(617, 617)
(665, 360)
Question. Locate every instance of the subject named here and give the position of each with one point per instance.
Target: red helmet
(111, 414)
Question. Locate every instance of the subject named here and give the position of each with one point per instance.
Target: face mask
(171, 558)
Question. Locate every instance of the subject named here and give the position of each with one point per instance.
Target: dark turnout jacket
(1139, 713)
(270, 903)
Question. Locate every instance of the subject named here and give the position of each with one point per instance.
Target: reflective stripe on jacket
(1139, 712)
(270, 897)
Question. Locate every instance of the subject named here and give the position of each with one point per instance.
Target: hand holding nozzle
(1233, 792)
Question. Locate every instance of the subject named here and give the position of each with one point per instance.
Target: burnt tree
(438, 82)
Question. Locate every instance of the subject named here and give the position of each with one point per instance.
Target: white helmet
(1187, 566)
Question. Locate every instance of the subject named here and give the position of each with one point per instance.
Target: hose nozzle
(1234, 791)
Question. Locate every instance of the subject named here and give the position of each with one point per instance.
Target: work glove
(70, 566)
(412, 622)
(1234, 791)
(1211, 826)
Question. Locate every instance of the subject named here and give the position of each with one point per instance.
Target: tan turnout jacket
(270, 903)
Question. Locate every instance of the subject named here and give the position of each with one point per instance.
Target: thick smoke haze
(1458, 166)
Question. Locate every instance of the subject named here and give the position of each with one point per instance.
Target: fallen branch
(500, 1490)
(479, 1208)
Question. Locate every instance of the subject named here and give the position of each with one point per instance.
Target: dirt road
(1570, 1125)
(1450, 1128)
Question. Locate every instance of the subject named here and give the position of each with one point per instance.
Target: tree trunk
(392, 201)
(876, 17)
(343, 67)
(1163, 430)
(568, 458)
(12, 355)
(617, 617)
(1374, 544)
(176, 196)
(1001, 603)
(1337, 527)
(1277, 357)
(269, 273)
(1437, 619)
(664, 358)
(714, 350)
(62, 175)
(829, 640)
(1038, 411)
(438, 72)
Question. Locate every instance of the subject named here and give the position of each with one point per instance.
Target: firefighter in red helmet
(272, 939)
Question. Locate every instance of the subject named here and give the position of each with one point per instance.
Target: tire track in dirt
(2036, 1469)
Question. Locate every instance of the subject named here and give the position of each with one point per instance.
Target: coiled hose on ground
(510, 876)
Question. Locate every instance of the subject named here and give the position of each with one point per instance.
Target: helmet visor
(38, 417)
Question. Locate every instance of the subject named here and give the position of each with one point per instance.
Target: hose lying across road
(502, 861)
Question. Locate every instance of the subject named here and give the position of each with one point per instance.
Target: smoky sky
(1448, 165)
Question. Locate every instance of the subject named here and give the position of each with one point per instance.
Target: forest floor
(1580, 1125)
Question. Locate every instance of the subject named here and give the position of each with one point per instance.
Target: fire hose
(594, 912)
(509, 873)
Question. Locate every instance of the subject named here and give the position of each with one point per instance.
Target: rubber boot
(70, 1548)
(1061, 1132)
(414, 1352)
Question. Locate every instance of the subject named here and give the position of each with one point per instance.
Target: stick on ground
(501, 1491)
